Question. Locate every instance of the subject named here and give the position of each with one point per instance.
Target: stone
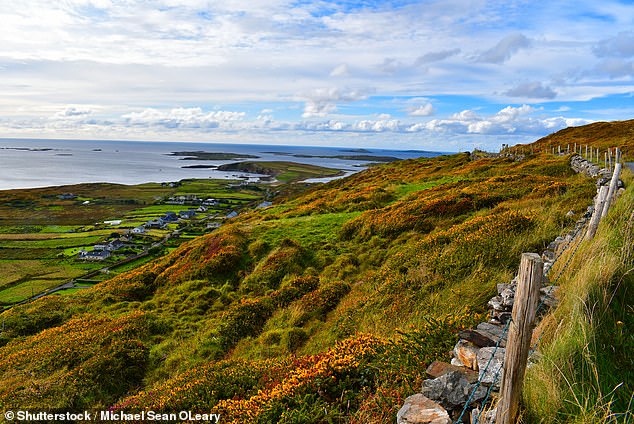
(458, 363)
(419, 409)
(439, 368)
(487, 417)
(477, 338)
(570, 213)
(497, 303)
(492, 331)
(548, 296)
(452, 390)
(500, 317)
(495, 371)
(467, 353)
(508, 297)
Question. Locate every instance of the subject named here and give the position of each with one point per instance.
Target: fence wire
(507, 326)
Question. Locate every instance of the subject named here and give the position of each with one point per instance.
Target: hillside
(602, 135)
(325, 307)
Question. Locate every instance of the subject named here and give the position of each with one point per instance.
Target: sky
(446, 75)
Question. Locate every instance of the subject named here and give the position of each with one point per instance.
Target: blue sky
(439, 75)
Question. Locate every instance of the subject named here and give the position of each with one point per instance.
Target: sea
(30, 163)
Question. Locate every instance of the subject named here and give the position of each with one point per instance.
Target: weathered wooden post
(529, 282)
(614, 182)
(598, 209)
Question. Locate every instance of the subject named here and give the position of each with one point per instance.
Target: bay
(29, 163)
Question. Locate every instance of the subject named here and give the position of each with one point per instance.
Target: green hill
(325, 307)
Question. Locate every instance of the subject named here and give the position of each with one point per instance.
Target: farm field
(42, 233)
(43, 230)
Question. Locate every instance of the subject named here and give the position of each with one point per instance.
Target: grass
(586, 372)
(30, 288)
(308, 230)
(52, 243)
(333, 300)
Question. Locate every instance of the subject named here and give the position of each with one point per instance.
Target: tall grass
(586, 371)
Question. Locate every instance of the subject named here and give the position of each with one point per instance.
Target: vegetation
(586, 371)
(325, 307)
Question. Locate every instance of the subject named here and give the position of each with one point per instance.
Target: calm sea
(41, 163)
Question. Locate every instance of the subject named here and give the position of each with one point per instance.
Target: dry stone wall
(477, 365)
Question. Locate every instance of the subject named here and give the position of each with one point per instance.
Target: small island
(282, 171)
(200, 155)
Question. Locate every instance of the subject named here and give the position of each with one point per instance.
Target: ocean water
(41, 163)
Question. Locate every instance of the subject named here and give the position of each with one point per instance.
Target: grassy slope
(601, 135)
(330, 301)
(586, 373)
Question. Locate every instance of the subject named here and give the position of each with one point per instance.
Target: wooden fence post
(598, 209)
(611, 192)
(529, 281)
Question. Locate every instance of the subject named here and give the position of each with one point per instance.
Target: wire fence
(483, 373)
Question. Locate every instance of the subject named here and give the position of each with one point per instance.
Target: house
(138, 230)
(95, 255)
(187, 214)
(210, 202)
(170, 217)
(67, 196)
(113, 222)
(264, 204)
(115, 245)
(99, 247)
(232, 214)
(156, 223)
(202, 209)
(213, 225)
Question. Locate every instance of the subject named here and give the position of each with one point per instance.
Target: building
(95, 255)
(138, 230)
(187, 214)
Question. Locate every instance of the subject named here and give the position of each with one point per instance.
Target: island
(282, 171)
(200, 155)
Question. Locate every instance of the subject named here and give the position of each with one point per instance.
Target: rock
(452, 390)
(458, 363)
(421, 410)
(548, 296)
(496, 366)
(570, 213)
(508, 297)
(439, 368)
(476, 338)
(467, 353)
(497, 303)
(500, 318)
(493, 332)
(548, 255)
(487, 417)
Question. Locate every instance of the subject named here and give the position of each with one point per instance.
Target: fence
(525, 308)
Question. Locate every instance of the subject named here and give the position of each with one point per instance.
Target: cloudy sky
(421, 74)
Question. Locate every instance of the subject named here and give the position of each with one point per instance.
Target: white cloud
(322, 101)
(615, 68)
(504, 49)
(436, 56)
(423, 110)
(73, 111)
(183, 118)
(510, 120)
(340, 71)
(534, 90)
(621, 45)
